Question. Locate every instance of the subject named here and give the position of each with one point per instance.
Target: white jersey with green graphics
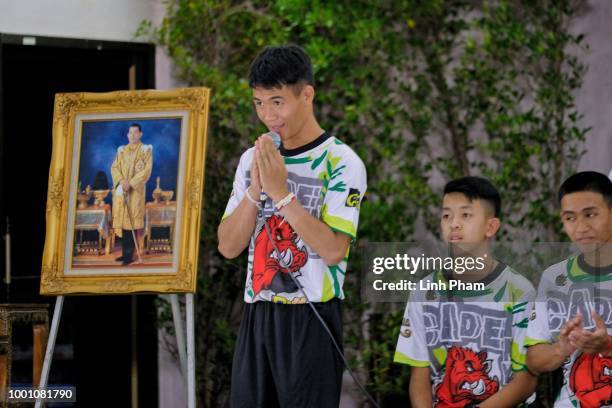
(472, 341)
(566, 289)
(329, 181)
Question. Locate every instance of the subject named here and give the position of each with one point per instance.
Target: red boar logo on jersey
(267, 270)
(466, 379)
(591, 380)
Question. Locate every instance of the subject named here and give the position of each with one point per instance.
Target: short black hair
(136, 125)
(476, 188)
(281, 65)
(587, 181)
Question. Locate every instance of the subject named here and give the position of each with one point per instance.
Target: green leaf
(318, 160)
(500, 293)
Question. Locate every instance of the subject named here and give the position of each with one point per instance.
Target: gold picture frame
(82, 238)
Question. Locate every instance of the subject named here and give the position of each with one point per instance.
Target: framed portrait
(125, 192)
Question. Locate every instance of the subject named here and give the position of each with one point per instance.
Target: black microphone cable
(314, 309)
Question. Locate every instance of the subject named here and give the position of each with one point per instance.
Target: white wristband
(251, 199)
(285, 201)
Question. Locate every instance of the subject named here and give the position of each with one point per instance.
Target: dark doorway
(94, 346)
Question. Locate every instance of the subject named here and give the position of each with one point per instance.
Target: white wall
(109, 20)
(114, 20)
(594, 99)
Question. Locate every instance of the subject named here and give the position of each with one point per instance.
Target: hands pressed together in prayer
(268, 171)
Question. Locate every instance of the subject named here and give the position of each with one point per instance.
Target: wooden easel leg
(40, 332)
(4, 368)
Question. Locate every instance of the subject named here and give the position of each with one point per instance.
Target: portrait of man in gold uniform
(127, 194)
(130, 171)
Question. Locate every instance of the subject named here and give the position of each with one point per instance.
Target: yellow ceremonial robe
(132, 163)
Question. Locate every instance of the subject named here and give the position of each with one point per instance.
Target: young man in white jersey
(314, 185)
(573, 309)
(466, 347)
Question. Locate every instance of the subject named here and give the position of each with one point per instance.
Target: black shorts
(285, 358)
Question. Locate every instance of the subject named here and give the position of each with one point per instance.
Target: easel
(186, 354)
